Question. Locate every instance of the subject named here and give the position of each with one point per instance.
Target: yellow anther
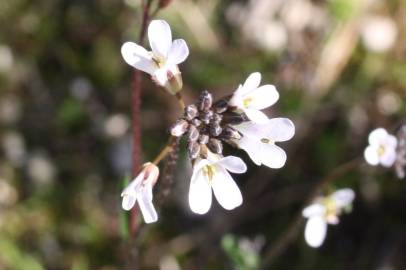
(209, 172)
(381, 150)
(247, 102)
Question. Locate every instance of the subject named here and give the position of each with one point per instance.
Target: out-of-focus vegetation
(340, 68)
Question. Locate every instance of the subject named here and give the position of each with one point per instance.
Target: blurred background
(65, 131)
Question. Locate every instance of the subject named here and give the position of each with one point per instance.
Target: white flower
(258, 140)
(212, 173)
(381, 149)
(162, 62)
(140, 189)
(250, 98)
(325, 211)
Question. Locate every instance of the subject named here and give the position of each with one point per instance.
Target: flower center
(381, 150)
(331, 208)
(209, 172)
(247, 101)
(268, 141)
(160, 63)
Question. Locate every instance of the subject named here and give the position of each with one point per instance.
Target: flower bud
(215, 129)
(203, 139)
(206, 116)
(230, 133)
(193, 133)
(193, 150)
(220, 106)
(206, 100)
(215, 146)
(179, 128)
(191, 112)
(174, 83)
(234, 118)
(196, 122)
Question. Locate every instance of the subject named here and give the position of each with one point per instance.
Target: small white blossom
(251, 98)
(212, 173)
(162, 62)
(140, 189)
(325, 211)
(259, 140)
(381, 149)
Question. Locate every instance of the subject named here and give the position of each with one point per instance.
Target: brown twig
(293, 229)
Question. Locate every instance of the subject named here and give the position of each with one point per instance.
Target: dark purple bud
(193, 133)
(191, 112)
(205, 101)
(206, 116)
(179, 128)
(203, 139)
(196, 122)
(193, 150)
(230, 133)
(215, 129)
(215, 146)
(220, 106)
(234, 118)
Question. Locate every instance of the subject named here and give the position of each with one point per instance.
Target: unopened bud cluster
(207, 124)
(400, 163)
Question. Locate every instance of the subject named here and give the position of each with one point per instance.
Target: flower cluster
(387, 150)
(325, 210)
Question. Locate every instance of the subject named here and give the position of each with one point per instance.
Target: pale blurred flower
(389, 102)
(381, 149)
(116, 125)
(10, 109)
(258, 140)
(40, 169)
(168, 262)
(271, 35)
(325, 211)
(6, 59)
(14, 147)
(8, 194)
(162, 62)
(379, 33)
(212, 173)
(140, 189)
(251, 98)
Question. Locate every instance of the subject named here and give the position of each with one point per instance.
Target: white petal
(233, 164)
(226, 190)
(272, 156)
(252, 147)
(160, 38)
(145, 202)
(371, 155)
(251, 83)
(388, 158)
(391, 141)
(377, 136)
(343, 197)
(279, 129)
(315, 209)
(138, 57)
(252, 129)
(262, 97)
(199, 193)
(256, 116)
(315, 231)
(129, 200)
(161, 76)
(178, 52)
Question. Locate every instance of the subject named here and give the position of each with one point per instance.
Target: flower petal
(160, 76)
(343, 197)
(252, 147)
(371, 155)
(377, 136)
(199, 193)
(128, 201)
(272, 156)
(279, 129)
(262, 97)
(391, 141)
(178, 52)
(251, 83)
(138, 57)
(145, 202)
(315, 209)
(160, 38)
(226, 190)
(256, 116)
(315, 231)
(388, 158)
(233, 164)
(251, 129)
